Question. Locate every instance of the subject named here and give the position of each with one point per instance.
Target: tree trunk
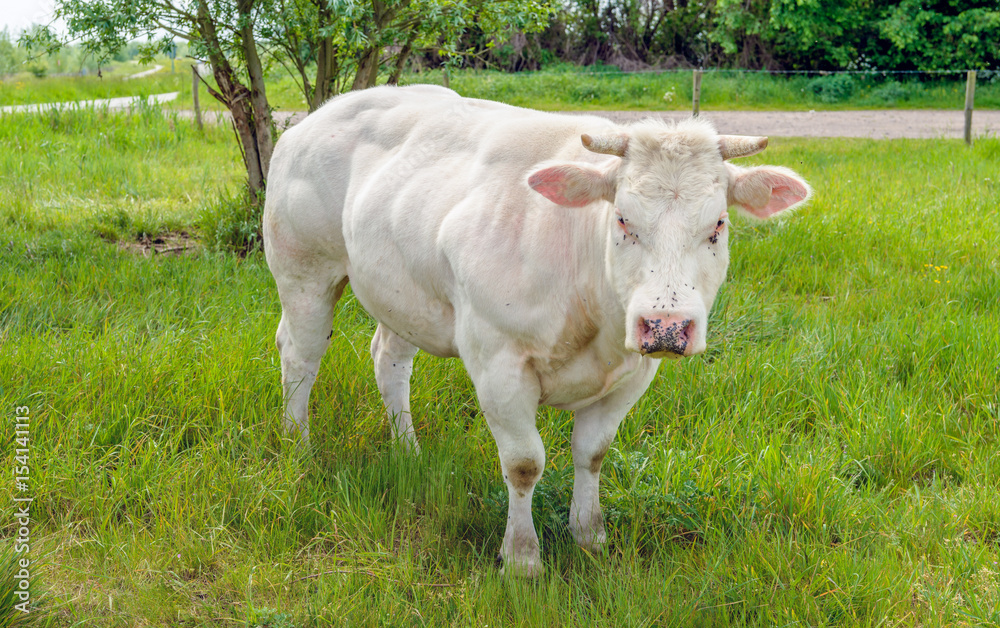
(258, 95)
(307, 87)
(194, 93)
(243, 123)
(367, 69)
(236, 97)
(326, 70)
(327, 67)
(368, 61)
(401, 60)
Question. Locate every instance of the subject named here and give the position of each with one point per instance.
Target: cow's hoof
(592, 543)
(521, 568)
(596, 549)
(409, 445)
(298, 433)
(591, 537)
(298, 440)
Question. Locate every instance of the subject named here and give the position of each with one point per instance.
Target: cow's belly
(387, 292)
(398, 274)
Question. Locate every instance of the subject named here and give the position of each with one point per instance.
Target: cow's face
(666, 221)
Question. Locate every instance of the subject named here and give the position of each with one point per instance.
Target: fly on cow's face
(622, 223)
(719, 227)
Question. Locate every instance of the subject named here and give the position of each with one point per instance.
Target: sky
(16, 15)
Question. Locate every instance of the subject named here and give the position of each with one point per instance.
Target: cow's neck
(604, 305)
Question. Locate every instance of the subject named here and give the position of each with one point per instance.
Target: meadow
(563, 87)
(831, 460)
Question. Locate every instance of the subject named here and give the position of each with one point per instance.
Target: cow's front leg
(594, 429)
(393, 359)
(508, 393)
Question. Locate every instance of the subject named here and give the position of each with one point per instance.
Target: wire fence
(984, 74)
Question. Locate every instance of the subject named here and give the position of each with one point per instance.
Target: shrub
(38, 69)
(832, 88)
(890, 93)
(232, 223)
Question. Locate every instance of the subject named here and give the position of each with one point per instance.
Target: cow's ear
(766, 190)
(572, 184)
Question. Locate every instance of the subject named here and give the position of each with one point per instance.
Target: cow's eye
(720, 226)
(622, 222)
(626, 228)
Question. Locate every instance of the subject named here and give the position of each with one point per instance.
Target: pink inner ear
(554, 183)
(783, 192)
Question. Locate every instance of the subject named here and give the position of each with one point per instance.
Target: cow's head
(665, 219)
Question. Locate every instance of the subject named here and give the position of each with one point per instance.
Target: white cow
(561, 257)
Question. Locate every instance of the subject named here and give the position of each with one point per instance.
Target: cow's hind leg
(393, 358)
(303, 336)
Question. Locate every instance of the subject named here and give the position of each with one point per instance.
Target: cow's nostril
(687, 330)
(644, 327)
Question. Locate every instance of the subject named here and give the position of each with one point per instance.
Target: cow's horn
(606, 144)
(740, 145)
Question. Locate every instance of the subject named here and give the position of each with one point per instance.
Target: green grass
(562, 89)
(831, 460)
(27, 89)
(720, 90)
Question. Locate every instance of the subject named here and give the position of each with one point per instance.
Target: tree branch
(187, 36)
(166, 4)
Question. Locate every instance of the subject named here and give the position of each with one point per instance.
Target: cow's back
(374, 178)
(366, 140)
(315, 162)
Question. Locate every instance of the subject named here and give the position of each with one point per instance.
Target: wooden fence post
(696, 98)
(444, 78)
(194, 93)
(970, 97)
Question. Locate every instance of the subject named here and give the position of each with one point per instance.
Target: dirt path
(149, 72)
(123, 102)
(875, 124)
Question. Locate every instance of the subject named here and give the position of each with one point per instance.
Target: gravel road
(875, 124)
(114, 104)
(882, 124)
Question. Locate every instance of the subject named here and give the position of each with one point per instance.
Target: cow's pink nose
(665, 334)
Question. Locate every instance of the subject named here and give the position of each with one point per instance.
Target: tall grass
(26, 89)
(720, 90)
(569, 88)
(283, 94)
(831, 460)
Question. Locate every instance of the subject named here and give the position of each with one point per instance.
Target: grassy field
(720, 90)
(25, 88)
(565, 89)
(831, 460)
